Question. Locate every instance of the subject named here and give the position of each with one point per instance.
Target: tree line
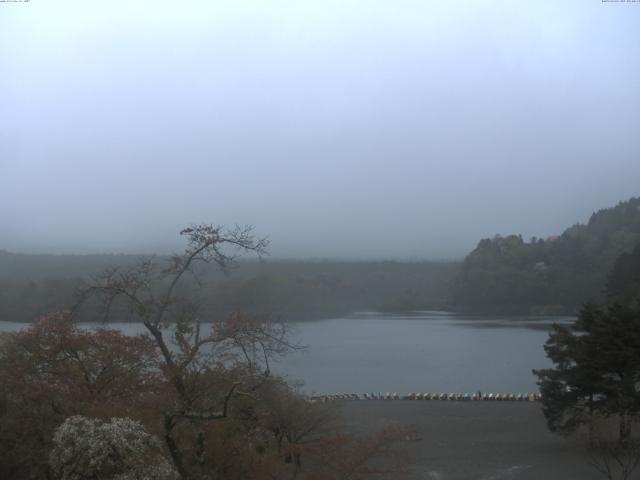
(298, 290)
(503, 273)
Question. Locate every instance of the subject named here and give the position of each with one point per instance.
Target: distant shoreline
(468, 312)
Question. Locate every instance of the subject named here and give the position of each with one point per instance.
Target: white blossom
(117, 449)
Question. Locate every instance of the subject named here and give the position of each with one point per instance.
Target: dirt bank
(476, 440)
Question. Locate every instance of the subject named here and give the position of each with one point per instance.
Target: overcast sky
(379, 128)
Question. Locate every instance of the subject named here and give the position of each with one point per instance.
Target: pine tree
(596, 369)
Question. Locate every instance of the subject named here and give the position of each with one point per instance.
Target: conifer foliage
(596, 369)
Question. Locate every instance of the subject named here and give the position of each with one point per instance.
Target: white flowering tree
(115, 449)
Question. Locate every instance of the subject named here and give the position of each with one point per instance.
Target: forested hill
(553, 275)
(623, 285)
(31, 285)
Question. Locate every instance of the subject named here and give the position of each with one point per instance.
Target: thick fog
(391, 128)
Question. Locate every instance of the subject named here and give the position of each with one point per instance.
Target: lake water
(418, 352)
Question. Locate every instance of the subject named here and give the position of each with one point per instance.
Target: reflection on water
(418, 352)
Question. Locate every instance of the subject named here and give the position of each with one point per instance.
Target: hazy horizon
(340, 129)
(179, 244)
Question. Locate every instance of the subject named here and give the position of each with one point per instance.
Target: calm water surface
(418, 352)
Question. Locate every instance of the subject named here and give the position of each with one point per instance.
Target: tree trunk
(624, 428)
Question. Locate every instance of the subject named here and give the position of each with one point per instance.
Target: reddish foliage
(56, 361)
(53, 369)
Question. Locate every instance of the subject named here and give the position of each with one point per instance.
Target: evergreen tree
(596, 369)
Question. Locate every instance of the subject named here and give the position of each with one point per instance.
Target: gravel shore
(476, 440)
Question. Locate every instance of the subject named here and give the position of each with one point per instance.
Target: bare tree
(615, 460)
(206, 370)
(614, 457)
